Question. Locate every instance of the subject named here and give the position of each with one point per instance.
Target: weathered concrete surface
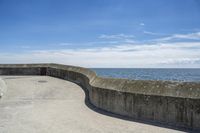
(171, 103)
(42, 104)
(3, 87)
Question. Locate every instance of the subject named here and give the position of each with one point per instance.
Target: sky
(101, 33)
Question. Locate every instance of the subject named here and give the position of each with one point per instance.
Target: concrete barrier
(3, 88)
(171, 103)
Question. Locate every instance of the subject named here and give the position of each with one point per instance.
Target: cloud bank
(177, 54)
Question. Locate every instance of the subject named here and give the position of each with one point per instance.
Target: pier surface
(43, 104)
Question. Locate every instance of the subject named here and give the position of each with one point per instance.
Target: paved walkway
(41, 104)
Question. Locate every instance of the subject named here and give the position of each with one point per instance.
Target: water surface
(170, 74)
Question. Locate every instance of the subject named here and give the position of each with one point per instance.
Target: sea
(164, 74)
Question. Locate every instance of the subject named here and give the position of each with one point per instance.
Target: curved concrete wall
(172, 103)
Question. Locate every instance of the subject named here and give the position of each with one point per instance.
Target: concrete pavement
(42, 104)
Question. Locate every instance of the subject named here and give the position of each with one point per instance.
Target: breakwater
(171, 103)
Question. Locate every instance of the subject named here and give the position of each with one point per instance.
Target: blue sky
(101, 33)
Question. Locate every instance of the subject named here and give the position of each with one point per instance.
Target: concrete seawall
(171, 103)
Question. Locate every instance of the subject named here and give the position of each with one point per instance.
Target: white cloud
(190, 36)
(142, 24)
(116, 36)
(137, 55)
(129, 41)
(124, 52)
(65, 44)
(150, 33)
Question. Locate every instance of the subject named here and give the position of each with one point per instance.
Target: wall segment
(172, 103)
(3, 87)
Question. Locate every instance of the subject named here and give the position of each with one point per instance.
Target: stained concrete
(3, 87)
(42, 104)
(174, 104)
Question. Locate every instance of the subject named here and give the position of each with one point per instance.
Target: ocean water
(185, 75)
